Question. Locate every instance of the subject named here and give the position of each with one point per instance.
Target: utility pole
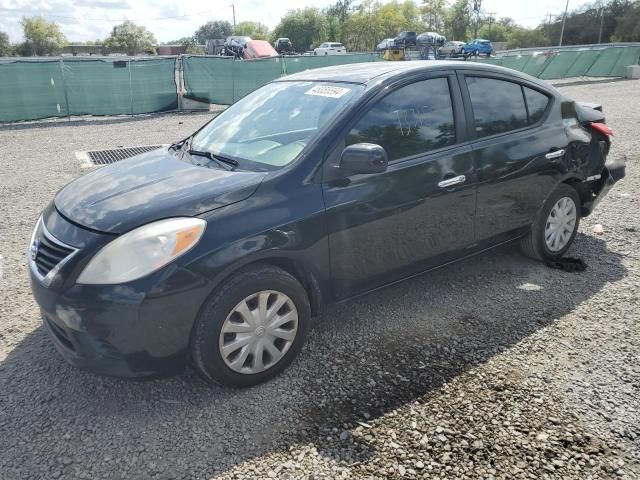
(477, 5)
(564, 21)
(601, 23)
(491, 19)
(233, 9)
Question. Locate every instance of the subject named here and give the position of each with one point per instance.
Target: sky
(82, 20)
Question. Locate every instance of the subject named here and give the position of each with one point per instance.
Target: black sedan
(315, 188)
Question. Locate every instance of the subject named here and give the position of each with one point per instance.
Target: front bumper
(96, 332)
(139, 329)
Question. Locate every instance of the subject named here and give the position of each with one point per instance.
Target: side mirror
(364, 158)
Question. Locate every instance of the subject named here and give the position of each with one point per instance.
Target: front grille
(106, 157)
(49, 253)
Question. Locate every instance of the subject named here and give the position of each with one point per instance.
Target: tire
(219, 312)
(534, 244)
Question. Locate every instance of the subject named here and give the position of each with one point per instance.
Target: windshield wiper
(216, 158)
(181, 143)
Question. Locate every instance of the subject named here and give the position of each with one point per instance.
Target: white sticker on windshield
(327, 91)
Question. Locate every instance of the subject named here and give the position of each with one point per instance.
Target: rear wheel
(555, 226)
(252, 327)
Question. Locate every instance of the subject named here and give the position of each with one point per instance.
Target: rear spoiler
(595, 106)
(589, 113)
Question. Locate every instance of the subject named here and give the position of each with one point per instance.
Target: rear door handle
(449, 182)
(554, 154)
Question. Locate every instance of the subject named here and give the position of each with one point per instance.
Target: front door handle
(554, 154)
(449, 182)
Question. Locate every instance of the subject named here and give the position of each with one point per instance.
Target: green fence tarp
(605, 63)
(114, 87)
(31, 90)
(97, 87)
(225, 81)
(582, 64)
(536, 64)
(251, 75)
(516, 62)
(294, 64)
(559, 64)
(153, 85)
(209, 79)
(490, 61)
(628, 56)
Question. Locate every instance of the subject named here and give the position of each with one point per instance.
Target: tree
(41, 37)
(458, 20)
(255, 30)
(628, 26)
(497, 31)
(619, 20)
(373, 21)
(433, 15)
(5, 45)
(305, 28)
(521, 37)
(214, 29)
(130, 38)
(180, 41)
(337, 15)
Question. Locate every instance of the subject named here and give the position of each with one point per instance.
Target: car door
(512, 149)
(419, 212)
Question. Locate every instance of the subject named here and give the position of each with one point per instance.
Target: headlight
(143, 250)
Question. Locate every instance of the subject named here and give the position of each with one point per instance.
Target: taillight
(602, 128)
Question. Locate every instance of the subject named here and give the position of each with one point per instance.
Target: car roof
(364, 73)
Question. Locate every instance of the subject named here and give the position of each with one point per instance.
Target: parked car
(385, 44)
(406, 39)
(451, 49)
(234, 45)
(478, 47)
(330, 48)
(283, 46)
(255, 49)
(430, 39)
(218, 249)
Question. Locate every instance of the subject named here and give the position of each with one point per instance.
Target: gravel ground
(497, 367)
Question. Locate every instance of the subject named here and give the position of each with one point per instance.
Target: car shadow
(363, 359)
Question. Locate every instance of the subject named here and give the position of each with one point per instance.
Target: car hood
(150, 187)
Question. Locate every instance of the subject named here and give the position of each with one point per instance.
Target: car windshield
(268, 128)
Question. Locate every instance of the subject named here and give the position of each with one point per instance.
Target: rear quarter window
(536, 102)
(498, 105)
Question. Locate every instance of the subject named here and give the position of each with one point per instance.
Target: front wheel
(555, 226)
(251, 328)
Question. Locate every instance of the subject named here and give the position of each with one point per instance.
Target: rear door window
(413, 119)
(536, 102)
(498, 105)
